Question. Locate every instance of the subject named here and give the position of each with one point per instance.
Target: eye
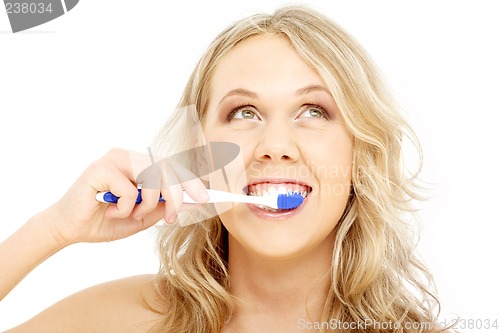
(243, 112)
(313, 111)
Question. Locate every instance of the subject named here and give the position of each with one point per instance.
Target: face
(267, 100)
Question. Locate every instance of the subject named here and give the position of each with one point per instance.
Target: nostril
(274, 150)
(283, 157)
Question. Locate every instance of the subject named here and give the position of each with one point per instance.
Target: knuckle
(130, 193)
(115, 150)
(115, 153)
(104, 172)
(96, 165)
(125, 207)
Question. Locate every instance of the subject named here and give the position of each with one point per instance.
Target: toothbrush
(277, 201)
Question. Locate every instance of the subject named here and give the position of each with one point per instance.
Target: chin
(276, 239)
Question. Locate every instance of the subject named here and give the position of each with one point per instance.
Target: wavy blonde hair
(375, 273)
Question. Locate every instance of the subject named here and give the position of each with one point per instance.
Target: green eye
(313, 111)
(247, 114)
(244, 112)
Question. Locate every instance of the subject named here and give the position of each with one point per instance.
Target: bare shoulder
(126, 305)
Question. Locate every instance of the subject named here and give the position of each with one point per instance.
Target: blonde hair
(375, 273)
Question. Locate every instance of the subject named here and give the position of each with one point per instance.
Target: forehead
(265, 63)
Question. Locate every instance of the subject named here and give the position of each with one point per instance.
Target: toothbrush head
(290, 200)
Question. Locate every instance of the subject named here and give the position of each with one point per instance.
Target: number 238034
(27, 8)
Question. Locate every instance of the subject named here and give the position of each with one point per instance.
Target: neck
(294, 287)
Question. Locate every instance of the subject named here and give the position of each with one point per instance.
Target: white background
(107, 73)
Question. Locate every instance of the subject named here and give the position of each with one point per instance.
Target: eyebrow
(251, 94)
(311, 88)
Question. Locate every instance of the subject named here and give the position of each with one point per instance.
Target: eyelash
(304, 108)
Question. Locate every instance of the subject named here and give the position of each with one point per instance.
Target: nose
(276, 143)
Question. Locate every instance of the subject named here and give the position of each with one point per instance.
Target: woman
(310, 114)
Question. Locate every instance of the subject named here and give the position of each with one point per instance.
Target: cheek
(332, 146)
(233, 176)
(246, 141)
(221, 133)
(332, 167)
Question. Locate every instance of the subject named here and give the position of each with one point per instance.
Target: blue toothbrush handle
(280, 201)
(109, 197)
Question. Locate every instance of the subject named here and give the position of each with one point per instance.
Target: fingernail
(172, 219)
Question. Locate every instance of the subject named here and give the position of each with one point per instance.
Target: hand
(79, 217)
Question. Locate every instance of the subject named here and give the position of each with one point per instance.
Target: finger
(196, 190)
(123, 188)
(173, 202)
(149, 202)
(123, 160)
(171, 191)
(190, 183)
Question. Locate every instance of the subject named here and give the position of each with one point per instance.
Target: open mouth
(265, 188)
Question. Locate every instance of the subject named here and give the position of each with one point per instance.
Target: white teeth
(264, 193)
(269, 208)
(274, 189)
